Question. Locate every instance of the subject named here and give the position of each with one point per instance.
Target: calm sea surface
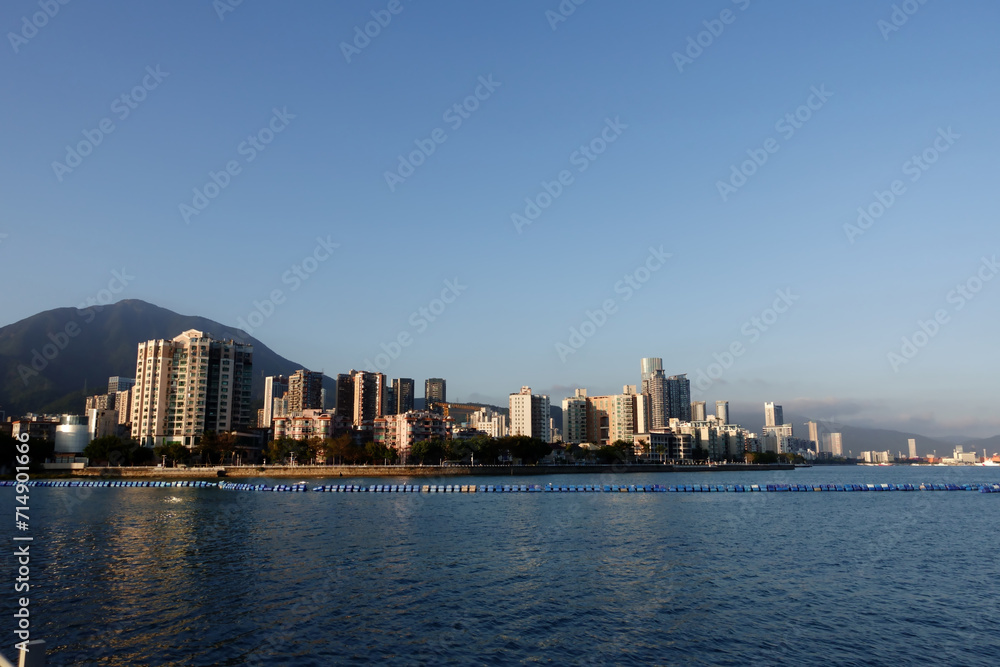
(205, 577)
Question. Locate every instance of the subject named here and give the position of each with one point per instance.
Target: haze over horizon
(619, 143)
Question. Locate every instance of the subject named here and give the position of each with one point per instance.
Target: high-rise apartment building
(655, 388)
(275, 386)
(612, 418)
(369, 398)
(190, 385)
(435, 391)
(403, 390)
(305, 391)
(913, 447)
(814, 434)
(679, 398)
(778, 438)
(648, 366)
(575, 418)
(529, 415)
(722, 411)
(123, 406)
(117, 383)
(698, 411)
(773, 415)
(834, 443)
(344, 402)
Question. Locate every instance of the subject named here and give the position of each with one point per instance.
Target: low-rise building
(399, 432)
(310, 424)
(489, 421)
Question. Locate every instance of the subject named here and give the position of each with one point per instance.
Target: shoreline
(243, 472)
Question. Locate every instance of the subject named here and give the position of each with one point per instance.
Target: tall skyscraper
(913, 447)
(529, 415)
(435, 391)
(773, 415)
(648, 366)
(722, 411)
(833, 443)
(305, 391)
(190, 385)
(655, 388)
(698, 411)
(369, 398)
(403, 390)
(275, 386)
(679, 398)
(344, 402)
(389, 399)
(814, 434)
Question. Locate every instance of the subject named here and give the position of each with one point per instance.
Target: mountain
(50, 361)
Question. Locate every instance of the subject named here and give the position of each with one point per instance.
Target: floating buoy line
(301, 487)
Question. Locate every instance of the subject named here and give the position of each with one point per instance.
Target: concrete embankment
(147, 472)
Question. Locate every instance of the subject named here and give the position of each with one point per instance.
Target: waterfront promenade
(306, 471)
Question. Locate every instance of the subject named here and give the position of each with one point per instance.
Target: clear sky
(662, 120)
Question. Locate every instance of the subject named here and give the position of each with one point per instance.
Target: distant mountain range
(50, 361)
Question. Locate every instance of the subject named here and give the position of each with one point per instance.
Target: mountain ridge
(50, 361)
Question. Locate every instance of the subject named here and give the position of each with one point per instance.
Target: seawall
(149, 472)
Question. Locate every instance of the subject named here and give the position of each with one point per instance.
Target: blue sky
(888, 95)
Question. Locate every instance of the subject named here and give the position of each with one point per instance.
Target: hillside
(50, 361)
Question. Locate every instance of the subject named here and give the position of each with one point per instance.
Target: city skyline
(559, 210)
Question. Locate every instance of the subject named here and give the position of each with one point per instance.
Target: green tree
(763, 457)
(174, 452)
(625, 447)
(428, 451)
(529, 450)
(378, 453)
(608, 454)
(341, 449)
(488, 450)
